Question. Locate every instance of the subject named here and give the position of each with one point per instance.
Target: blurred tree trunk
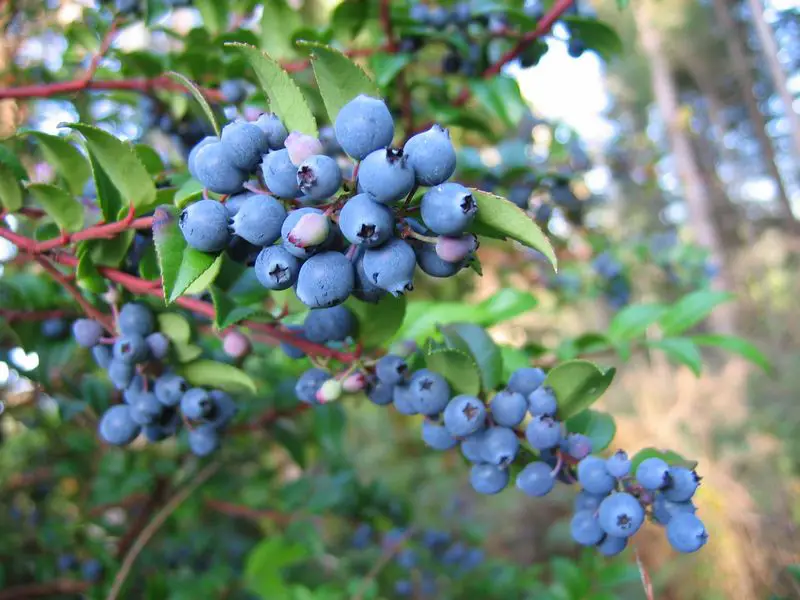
(696, 193)
(770, 49)
(744, 78)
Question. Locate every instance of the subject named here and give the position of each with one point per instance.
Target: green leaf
(10, 191)
(197, 95)
(622, 4)
(150, 159)
(9, 159)
(598, 426)
(120, 163)
(265, 563)
(691, 309)
(422, 317)
(378, 322)
(734, 344)
(65, 210)
(505, 217)
(597, 36)
(226, 310)
(513, 359)
(501, 97)
(681, 350)
(175, 326)
(108, 196)
(187, 352)
(285, 433)
(458, 368)
(190, 191)
(474, 340)
(202, 283)
(217, 375)
(387, 66)
(339, 79)
(277, 21)
(504, 305)
(669, 456)
(65, 158)
(214, 14)
(632, 321)
(350, 17)
(180, 265)
(577, 384)
(285, 97)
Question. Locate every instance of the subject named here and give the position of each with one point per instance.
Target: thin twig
(45, 590)
(153, 500)
(384, 560)
(105, 44)
(647, 583)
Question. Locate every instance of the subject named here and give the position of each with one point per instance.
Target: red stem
(34, 315)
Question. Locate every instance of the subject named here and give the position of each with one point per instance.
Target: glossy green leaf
(190, 191)
(150, 159)
(349, 17)
(339, 79)
(692, 309)
(422, 317)
(285, 97)
(387, 66)
(108, 196)
(277, 21)
(500, 96)
(227, 311)
(378, 323)
(506, 304)
(598, 426)
(175, 326)
(632, 321)
(9, 159)
(458, 368)
(186, 352)
(597, 36)
(10, 191)
(217, 375)
(577, 385)
(669, 456)
(265, 563)
(474, 340)
(681, 350)
(197, 95)
(65, 209)
(513, 359)
(503, 216)
(67, 160)
(734, 344)
(120, 163)
(202, 283)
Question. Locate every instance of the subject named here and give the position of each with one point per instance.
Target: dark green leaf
(734, 344)
(217, 375)
(8, 158)
(285, 97)
(596, 35)
(214, 14)
(108, 196)
(577, 384)
(501, 98)
(150, 159)
(227, 311)
(277, 21)
(691, 309)
(378, 322)
(681, 350)
(670, 457)
(458, 368)
(197, 95)
(10, 192)
(632, 321)
(350, 17)
(285, 433)
(598, 426)
(387, 66)
(65, 158)
(65, 210)
(265, 562)
(190, 191)
(474, 340)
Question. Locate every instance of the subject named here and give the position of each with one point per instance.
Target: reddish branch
(45, 590)
(155, 498)
(246, 512)
(34, 315)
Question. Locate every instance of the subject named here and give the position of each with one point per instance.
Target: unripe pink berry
(235, 344)
(354, 383)
(311, 230)
(331, 390)
(455, 249)
(300, 146)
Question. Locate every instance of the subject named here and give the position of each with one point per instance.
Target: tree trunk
(744, 78)
(769, 48)
(695, 192)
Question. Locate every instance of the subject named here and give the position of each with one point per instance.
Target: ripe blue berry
(325, 280)
(54, 329)
(131, 348)
(682, 486)
(436, 436)
(472, 446)
(536, 479)
(272, 126)
(519, 194)
(259, 219)
(102, 356)
(290, 350)
(620, 515)
(448, 209)
(456, 249)
(67, 562)
(276, 268)
(488, 479)
(309, 383)
(224, 409)
(364, 125)
(211, 139)
(364, 221)
(232, 91)
(525, 380)
(145, 408)
(136, 319)
(464, 415)
(362, 536)
(391, 266)
(686, 533)
(386, 175)
(170, 388)
(196, 404)
(594, 477)
(611, 546)
(380, 393)
(432, 156)
(92, 569)
(214, 168)
(245, 144)
(280, 174)
(618, 464)
(542, 401)
(438, 17)
(87, 333)
(419, 13)
(364, 289)
(166, 426)
(120, 372)
(158, 344)
(586, 501)
(117, 427)
(333, 324)
(403, 588)
(576, 47)
(430, 392)
(585, 528)
(578, 445)
(204, 226)
(543, 433)
(664, 510)
(432, 264)
(508, 408)
(652, 474)
(203, 440)
(500, 446)
(319, 177)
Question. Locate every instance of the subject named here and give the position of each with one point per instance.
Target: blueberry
(575, 47)
(663, 509)
(438, 17)
(431, 263)
(436, 436)
(386, 175)
(364, 221)
(682, 486)
(308, 385)
(452, 62)
(204, 226)
(686, 533)
(419, 13)
(430, 392)
(392, 369)
(364, 289)
(92, 569)
(653, 474)
(301, 146)
(330, 144)
(406, 559)
(333, 324)
(403, 588)
(473, 559)
(542, 402)
(67, 562)
(362, 536)
(578, 445)
(456, 249)
(224, 409)
(391, 266)
(464, 415)
(272, 126)
(87, 333)
(508, 408)
(472, 446)
(170, 388)
(536, 479)
(131, 348)
(213, 167)
(461, 13)
(196, 404)
(138, 385)
(120, 372)
(594, 477)
(54, 329)
(403, 400)
(534, 9)
(380, 393)
(158, 345)
(234, 203)
(431, 155)
(488, 479)
(259, 219)
(364, 125)
(620, 515)
(102, 356)
(611, 546)
(245, 144)
(319, 177)
(233, 91)
(117, 427)
(525, 380)
(325, 280)
(586, 501)
(585, 528)
(500, 446)
(618, 464)
(203, 440)
(135, 319)
(210, 139)
(448, 209)
(280, 174)
(276, 268)
(543, 433)
(292, 351)
(296, 237)
(145, 408)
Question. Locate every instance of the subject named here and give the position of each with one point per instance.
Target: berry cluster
(156, 402)
(91, 569)
(303, 233)
(615, 284)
